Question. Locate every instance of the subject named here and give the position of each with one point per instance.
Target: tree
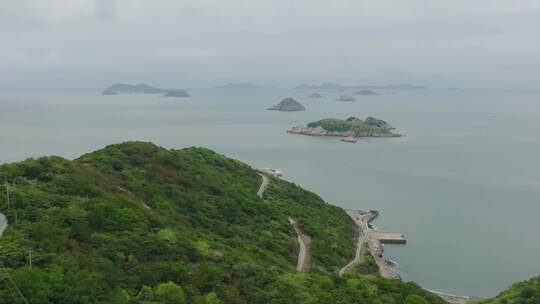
(212, 298)
(170, 293)
(414, 299)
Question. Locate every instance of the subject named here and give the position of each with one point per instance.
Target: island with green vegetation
(123, 88)
(366, 93)
(351, 127)
(315, 95)
(288, 105)
(137, 223)
(345, 98)
(239, 86)
(176, 93)
(141, 88)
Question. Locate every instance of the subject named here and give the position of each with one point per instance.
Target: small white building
(273, 172)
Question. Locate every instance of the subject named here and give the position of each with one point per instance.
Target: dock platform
(388, 238)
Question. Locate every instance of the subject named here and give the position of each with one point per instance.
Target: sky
(200, 43)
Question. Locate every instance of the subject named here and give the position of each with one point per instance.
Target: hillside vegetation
(136, 223)
(527, 292)
(351, 124)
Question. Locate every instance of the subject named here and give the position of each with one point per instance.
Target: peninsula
(288, 105)
(351, 127)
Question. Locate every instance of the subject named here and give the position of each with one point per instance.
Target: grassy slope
(527, 292)
(94, 240)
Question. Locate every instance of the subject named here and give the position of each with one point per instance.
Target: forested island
(238, 86)
(288, 105)
(141, 88)
(345, 98)
(124, 88)
(340, 87)
(176, 93)
(351, 127)
(366, 93)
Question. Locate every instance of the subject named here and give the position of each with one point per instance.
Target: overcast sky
(197, 43)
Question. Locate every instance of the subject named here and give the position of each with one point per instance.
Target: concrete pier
(365, 217)
(390, 238)
(374, 240)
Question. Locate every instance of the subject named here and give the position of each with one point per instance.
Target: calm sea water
(463, 183)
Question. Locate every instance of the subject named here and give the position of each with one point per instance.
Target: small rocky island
(366, 93)
(176, 93)
(345, 98)
(315, 95)
(238, 86)
(351, 127)
(288, 105)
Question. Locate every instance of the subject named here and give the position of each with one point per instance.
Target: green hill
(527, 292)
(136, 223)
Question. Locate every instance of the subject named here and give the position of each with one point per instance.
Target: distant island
(176, 93)
(239, 86)
(366, 93)
(141, 88)
(345, 98)
(315, 95)
(339, 87)
(351, 127)
(123, 88)
(288, 105)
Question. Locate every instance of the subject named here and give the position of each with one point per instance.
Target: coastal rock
(176, 93)
(345, 98)
(288, 105)
(315, 95)
(366, 93)
(121, 88)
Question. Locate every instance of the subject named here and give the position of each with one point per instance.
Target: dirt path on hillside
(264, 184)
(3, 223)
(304, 242)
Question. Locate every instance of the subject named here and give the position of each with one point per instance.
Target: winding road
(361, 244)
(304, 241)
(264, 184)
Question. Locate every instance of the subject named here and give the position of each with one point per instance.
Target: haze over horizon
(203, 43)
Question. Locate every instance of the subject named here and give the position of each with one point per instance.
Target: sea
(462, 183)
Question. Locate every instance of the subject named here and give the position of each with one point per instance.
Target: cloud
(202, 42)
